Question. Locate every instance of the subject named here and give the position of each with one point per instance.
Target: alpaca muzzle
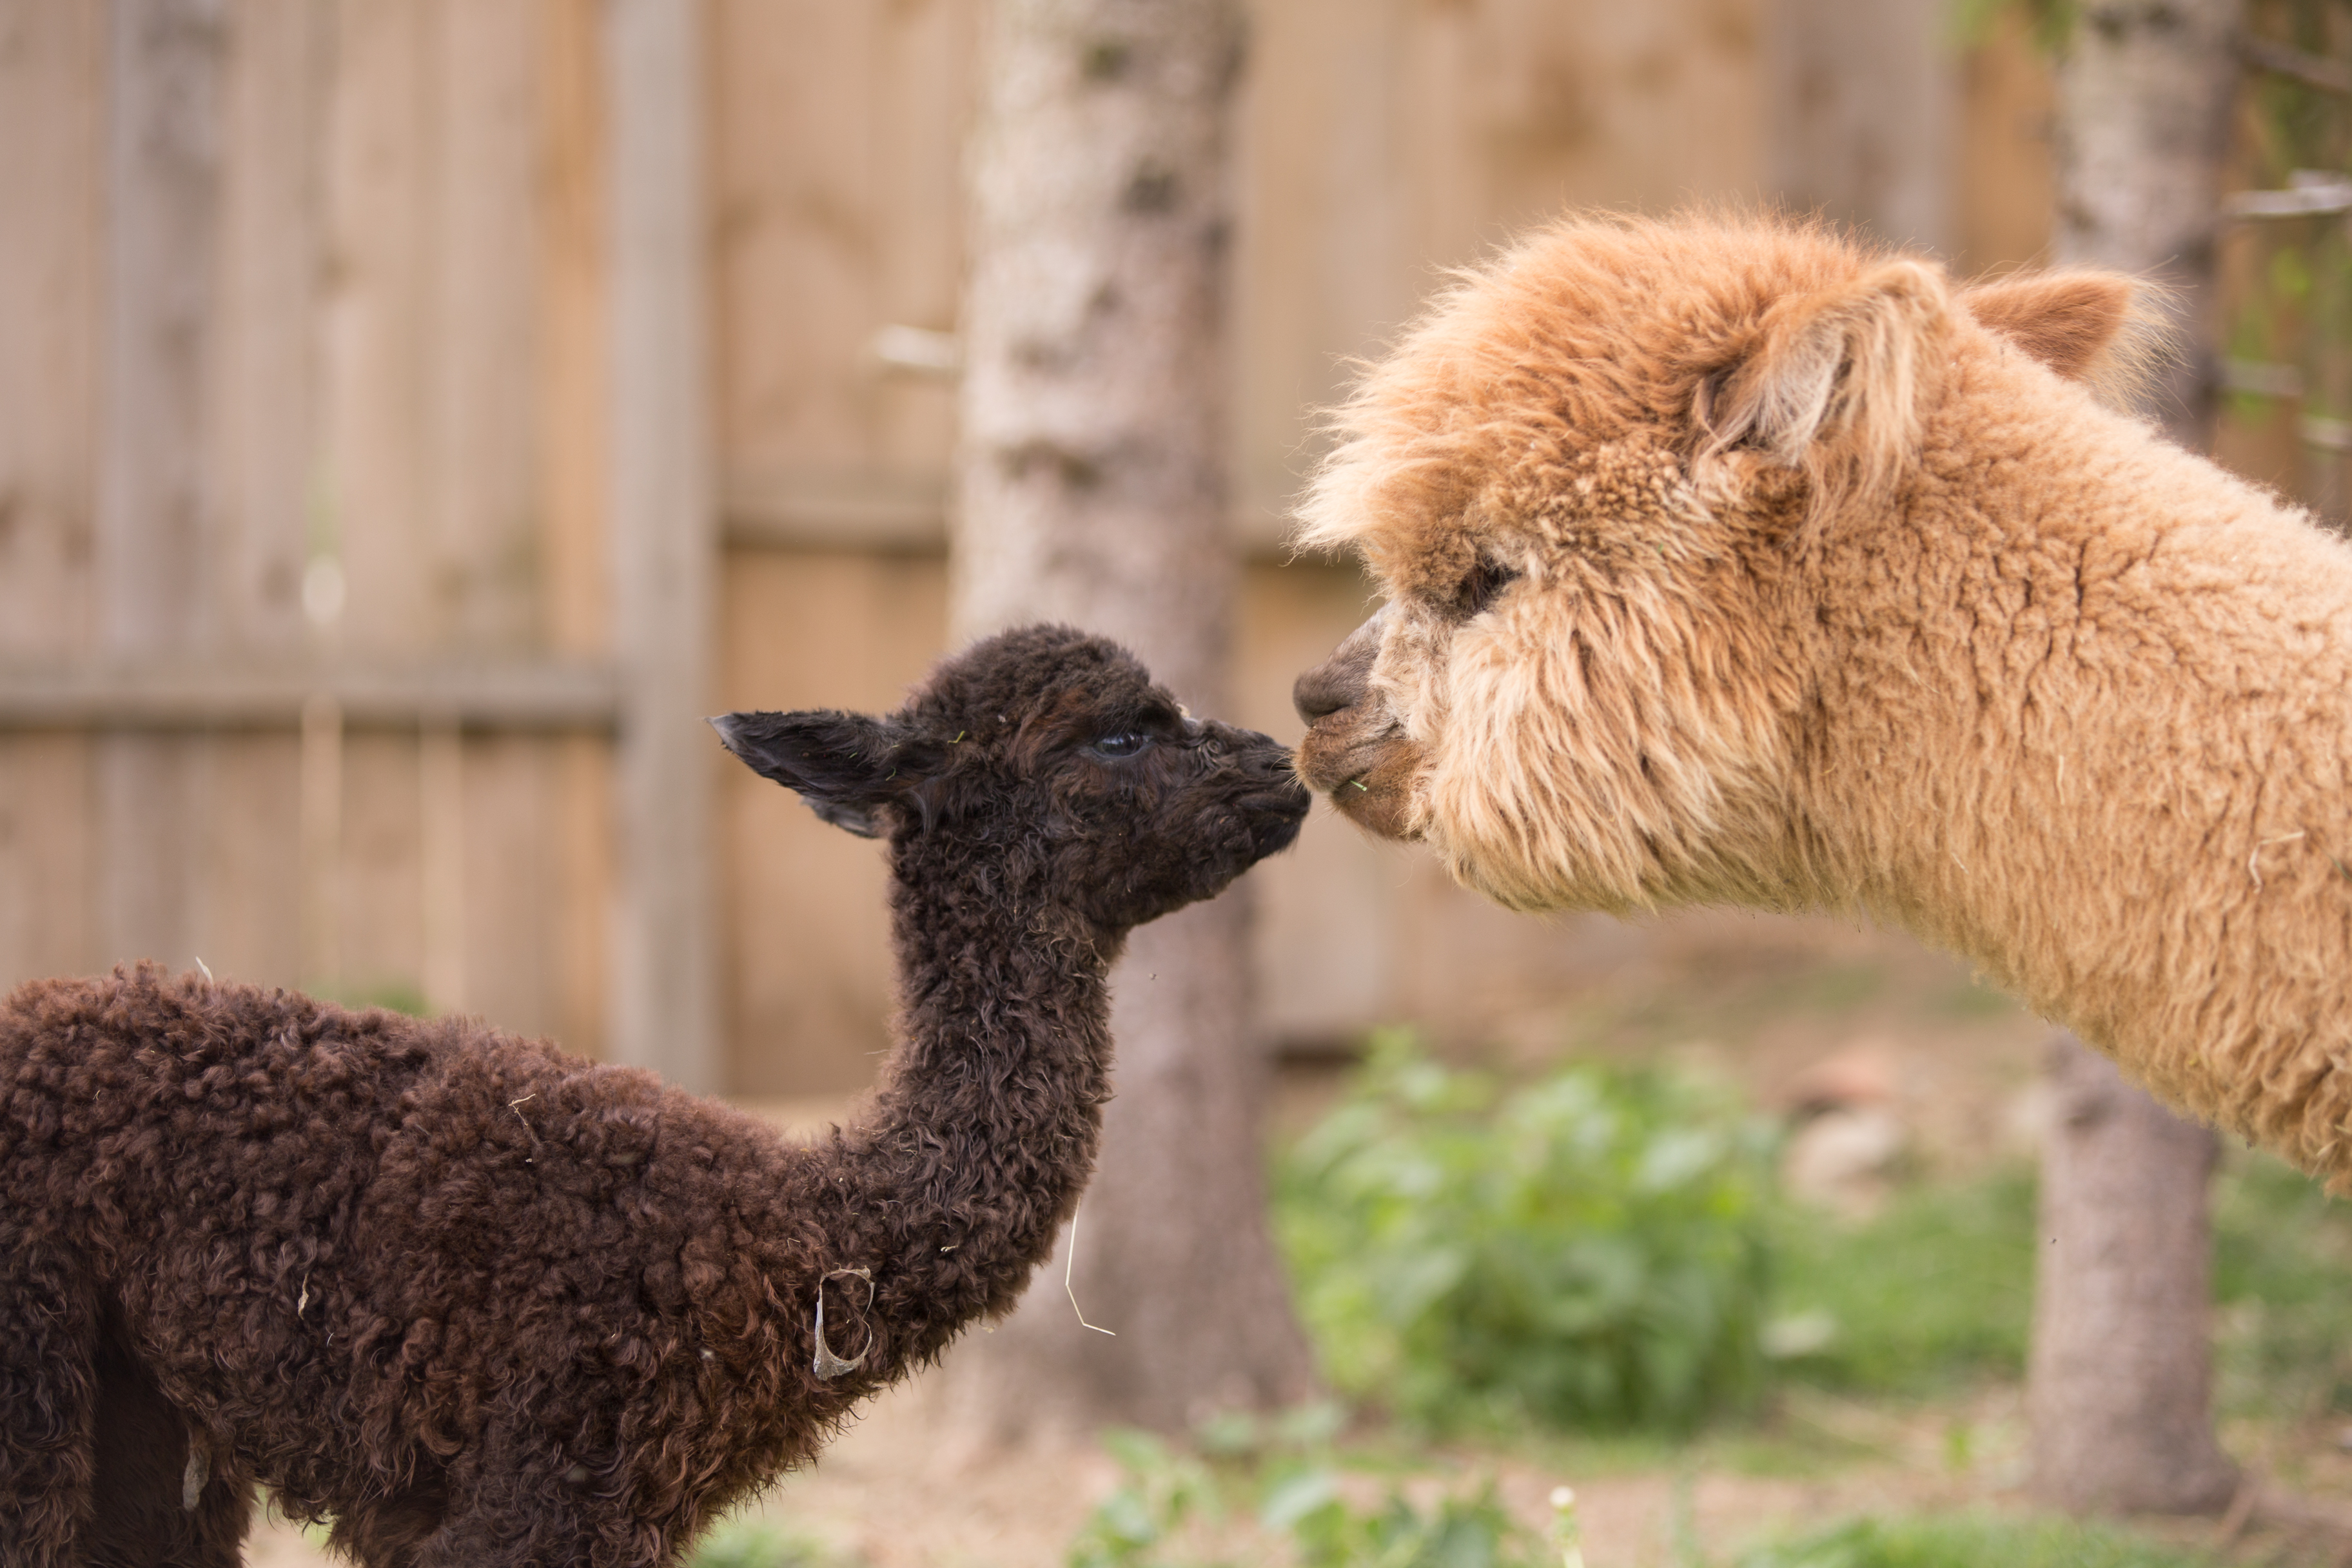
(1354, 751)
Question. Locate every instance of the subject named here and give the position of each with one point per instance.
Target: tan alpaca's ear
(2072, 321)
(1834, 385)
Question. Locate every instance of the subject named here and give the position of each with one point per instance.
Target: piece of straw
(1069, 1261)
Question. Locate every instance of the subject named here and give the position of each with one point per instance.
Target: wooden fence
(414, 414)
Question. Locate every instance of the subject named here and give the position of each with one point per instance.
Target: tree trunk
(2121, 1372)
(2145, 96)
(1090, 490)
(2120, 1384)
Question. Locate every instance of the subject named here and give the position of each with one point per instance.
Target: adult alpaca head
(1736, 562)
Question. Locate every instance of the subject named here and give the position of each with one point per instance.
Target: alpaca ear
(2072, 321)
(840, 763)
(1832, 386)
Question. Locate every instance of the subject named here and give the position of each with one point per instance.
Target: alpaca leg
(395, 1529)
(159, 1502)
(521, 1502)
(545, 1530)
(49, 1322)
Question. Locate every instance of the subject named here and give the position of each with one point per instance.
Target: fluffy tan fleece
(1730, 561)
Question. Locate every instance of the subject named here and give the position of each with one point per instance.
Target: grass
(2282, 1274)
(755, 1544)
(1937, 1292)
(1932, 1295)
(1969, 1541)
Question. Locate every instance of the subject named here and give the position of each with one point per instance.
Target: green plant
(1470, 1530)
(1161, 1492)
(1968, 1541)
(1585, 1251)
(1174, 1509)
(753, 1544)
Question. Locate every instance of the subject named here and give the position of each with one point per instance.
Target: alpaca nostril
(1343, 680)
(1318, 693)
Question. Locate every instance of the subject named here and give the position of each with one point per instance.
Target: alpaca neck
(2094, 739)
(985, 1128)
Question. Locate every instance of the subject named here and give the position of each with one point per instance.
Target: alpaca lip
(1364, 761)
(1276, 817)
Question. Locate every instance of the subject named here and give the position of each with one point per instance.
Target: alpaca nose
(1341, 681)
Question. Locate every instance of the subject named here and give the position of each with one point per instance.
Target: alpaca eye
(1123, 743)
(1482, 587)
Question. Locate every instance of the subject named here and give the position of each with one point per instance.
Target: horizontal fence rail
(541, 696)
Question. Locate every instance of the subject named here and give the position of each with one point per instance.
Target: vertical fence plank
(53, 137)
(374, 483)
(379, 878)
(251, 899)
(52, 162)
(574, 394)
(157, 503)
(443, 486)
(510, 918)
(263, 382)
(480, 324)
(47, 858)
(442, 861)
(808, 965)
(249, 903)
(663, 1014)
(381, 233)
(485, 824)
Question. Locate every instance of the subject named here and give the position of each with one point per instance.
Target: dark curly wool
(483, 1303)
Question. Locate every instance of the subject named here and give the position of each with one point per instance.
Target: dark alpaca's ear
(2086, 326)
(1833, 382)
(841, 763)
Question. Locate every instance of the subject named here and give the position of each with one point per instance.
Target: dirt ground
(897, 1491)
(901, 1491)
(1780, 1006)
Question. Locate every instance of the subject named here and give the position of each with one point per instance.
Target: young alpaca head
(1051, 753)
(1592, 485)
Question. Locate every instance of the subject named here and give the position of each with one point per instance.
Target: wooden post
(664, 1011)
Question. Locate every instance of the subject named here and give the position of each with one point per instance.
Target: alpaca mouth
(1276, 816)
(1364, 761)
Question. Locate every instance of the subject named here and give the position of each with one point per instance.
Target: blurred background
(413, 414)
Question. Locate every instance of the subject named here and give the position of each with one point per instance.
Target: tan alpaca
(1734, 562)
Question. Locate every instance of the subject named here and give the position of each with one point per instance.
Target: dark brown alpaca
(483, 1303)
